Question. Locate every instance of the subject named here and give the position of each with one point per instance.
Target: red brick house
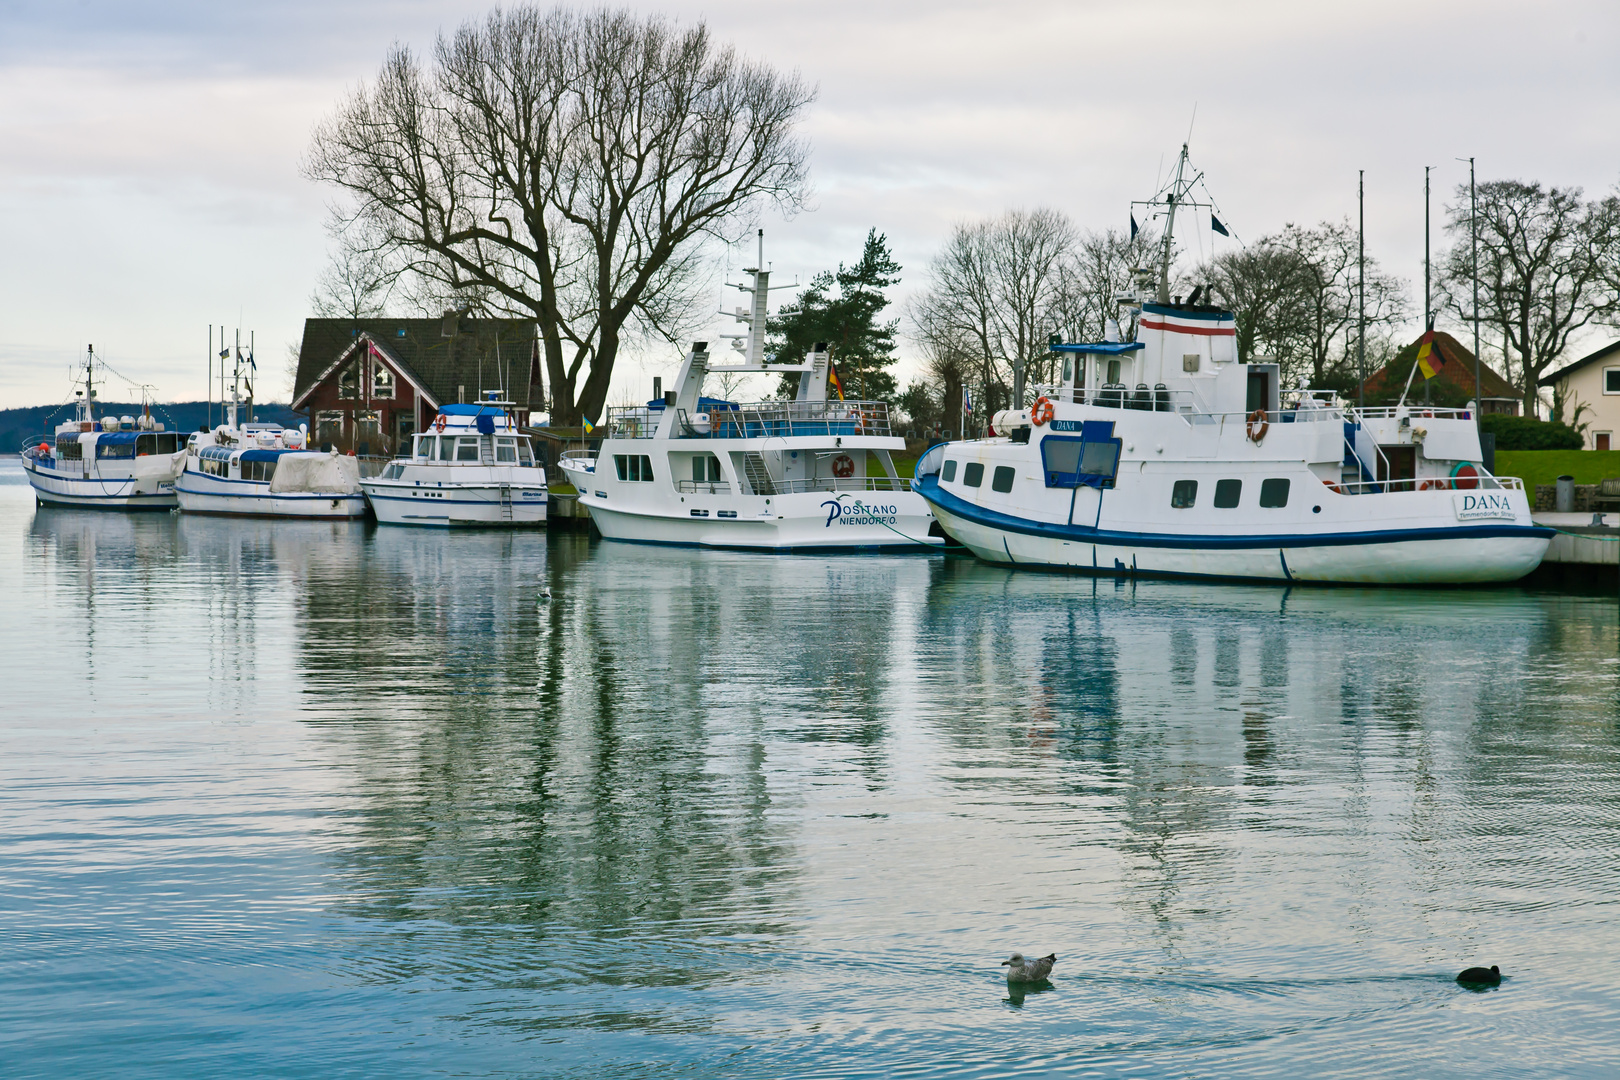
(1453, 384)
(368, 385)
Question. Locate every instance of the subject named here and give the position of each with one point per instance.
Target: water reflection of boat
(114, 463)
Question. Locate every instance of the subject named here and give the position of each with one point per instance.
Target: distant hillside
(17, 425)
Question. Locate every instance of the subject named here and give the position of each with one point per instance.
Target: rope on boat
(1584, 536)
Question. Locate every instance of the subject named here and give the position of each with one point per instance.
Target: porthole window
(1184, 494)
(1227, 493)
(973, 475)
(1002, 481)
(949, 471)
(1274, 493)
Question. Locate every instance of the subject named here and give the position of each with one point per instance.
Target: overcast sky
(149, 181)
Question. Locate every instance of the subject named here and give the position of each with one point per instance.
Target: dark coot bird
(1020, 970)
(1479, 976)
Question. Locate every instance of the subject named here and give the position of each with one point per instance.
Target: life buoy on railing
(1431, 485)
(438, 425)
(1258, 425)
(1041, 412)
(843, 466)
(1331, 486)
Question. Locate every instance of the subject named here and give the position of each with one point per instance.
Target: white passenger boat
(810, 474)
(473, 468)
(114, 463)
(1218, 472)
(265, 470)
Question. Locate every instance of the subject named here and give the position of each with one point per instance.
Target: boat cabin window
(1068, 366)
(424, 447)
(447, 448)
(1113, 371)
(973, 475)
(949, 471)
(1274, 493)
(705, 469)
(104, 449)
(505, 451)
(1002, 481)
(525, 457)
(634, 468)
(261, 471)
(68, 448)
(467, 448)
(1227, 493)
(157, 442)
(1184, 494)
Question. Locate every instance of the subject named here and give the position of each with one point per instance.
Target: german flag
(832, 377)
(1429, 357)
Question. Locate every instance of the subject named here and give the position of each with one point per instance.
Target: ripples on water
(286, 799)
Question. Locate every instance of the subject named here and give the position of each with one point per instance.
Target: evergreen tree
(842, 310)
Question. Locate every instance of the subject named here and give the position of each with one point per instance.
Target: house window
(367, 433)
(1002, 481)
(973, 475)
(1274, 493)
(328, 427)
(1184, 494)
(1227, 493)
(382, 380)
(349, 382)
(949, 471)
(1611, 380)
(633, 468)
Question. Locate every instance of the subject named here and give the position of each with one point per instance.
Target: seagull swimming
(1021, 970)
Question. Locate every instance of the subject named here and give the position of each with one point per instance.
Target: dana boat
(1165, 456)
(111, 463)
(265, 470)
(473, 467)
(793, 475)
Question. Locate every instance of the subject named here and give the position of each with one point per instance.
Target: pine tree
(842, 309)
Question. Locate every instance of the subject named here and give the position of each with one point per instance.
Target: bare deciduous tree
(1542, 258)
(567, 166)
(359, 280)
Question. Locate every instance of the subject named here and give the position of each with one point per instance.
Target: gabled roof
(1610, 351)
(472, 356)
(1458, 371)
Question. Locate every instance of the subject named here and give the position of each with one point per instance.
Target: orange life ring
(1258, 425)
(1431, 485)
(1331, 486)
(1041, 412)
(843, 466)
(438, 425)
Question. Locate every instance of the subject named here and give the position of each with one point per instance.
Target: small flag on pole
(1215, 223)
(967, 402)
(587, 425)
(1429, 358)
(1133, 225)
(832, 377)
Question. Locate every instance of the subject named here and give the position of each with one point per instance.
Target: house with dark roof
(1452, 385)
(368, 385)
(1592, 381)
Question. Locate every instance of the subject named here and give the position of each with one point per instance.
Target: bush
(1525, 433)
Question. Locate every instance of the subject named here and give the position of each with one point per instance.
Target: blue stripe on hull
(797, 549)
(930, 490)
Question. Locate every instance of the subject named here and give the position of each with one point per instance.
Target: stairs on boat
(759, 477)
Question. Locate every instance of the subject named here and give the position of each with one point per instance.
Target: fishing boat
(110, 463)
(809, 474)
(263, 469)
(473, 468)
(1164, 455)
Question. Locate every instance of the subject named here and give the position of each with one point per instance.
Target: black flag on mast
(1215, 223)
(1133, 225)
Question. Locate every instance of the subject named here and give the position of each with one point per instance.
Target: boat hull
(100, 493)
(200, 494)
(459, 506)
(1440, 555)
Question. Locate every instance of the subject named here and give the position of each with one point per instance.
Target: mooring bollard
(1566, 495)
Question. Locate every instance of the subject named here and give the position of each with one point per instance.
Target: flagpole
(1427, 319)
(1473, 241)
(1361, 274)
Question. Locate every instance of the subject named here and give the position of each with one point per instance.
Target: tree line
(575, 167)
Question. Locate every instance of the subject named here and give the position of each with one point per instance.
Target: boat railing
(835, 484)
(703, 487)
(584, 457)
(783, 419)
(1483, 482)
(632, 422)
(1396, 412)
(1302, 405)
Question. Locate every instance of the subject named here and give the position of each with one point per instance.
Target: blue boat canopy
(117, 438)
(264, 455)
(470, 410)
(1104, 348)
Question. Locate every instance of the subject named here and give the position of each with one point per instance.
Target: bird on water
(1021, 970)
(1479, 976)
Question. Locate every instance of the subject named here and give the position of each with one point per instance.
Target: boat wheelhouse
(114, 463)
(807, 474)
(1167, 456)
(473, 467)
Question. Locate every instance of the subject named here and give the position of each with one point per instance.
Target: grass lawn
(1546, 466)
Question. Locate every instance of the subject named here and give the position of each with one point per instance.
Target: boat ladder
(759, 477)
(506, 502)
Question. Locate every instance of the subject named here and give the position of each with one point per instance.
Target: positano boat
(473, 468)
(1218, 472)
(775, 475)
(114, 463)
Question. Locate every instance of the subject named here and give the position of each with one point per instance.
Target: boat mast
(1176, 192)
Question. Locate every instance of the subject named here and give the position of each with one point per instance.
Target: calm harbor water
(297, 799)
